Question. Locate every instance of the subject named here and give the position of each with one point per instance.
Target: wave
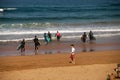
(7, 9)
(30, 32)
(10, 8)
(63, 37)
(1, 10)
(62, 9)
(59, 18)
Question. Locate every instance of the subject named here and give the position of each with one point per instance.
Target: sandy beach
(83, 72)
(89, 66)
(94, 60)
(91, 26)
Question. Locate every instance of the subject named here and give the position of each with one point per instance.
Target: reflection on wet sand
(91, 46)
(88, 46)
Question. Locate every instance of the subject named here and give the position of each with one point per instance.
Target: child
(72, 56)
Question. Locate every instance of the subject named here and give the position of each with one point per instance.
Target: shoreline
(63, 46)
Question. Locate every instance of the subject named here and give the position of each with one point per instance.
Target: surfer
(46, 38)
(58, 35)
(37, 44)
(84, 37)
(49, 35)
(21, 46)
(91, 37)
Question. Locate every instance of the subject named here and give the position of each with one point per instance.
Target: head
(35, 36)
(23, 39)
(72, 45)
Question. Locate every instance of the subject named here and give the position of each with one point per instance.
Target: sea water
(26, 18)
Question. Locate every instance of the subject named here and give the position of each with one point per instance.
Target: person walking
(21, 46)
(37, 44)
(72, 55)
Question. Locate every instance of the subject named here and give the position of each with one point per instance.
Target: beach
(89, 66)
(63, 46)
(25, 19)
(94, 60)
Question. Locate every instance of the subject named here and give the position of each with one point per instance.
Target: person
(46, 38)
(72, 55)
(58, 35)
(49, 35)
(91, 37)
(37, 44)
(84, 37)
(21, 46)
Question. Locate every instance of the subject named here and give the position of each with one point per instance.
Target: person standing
(36, 42)
(58, 35)
(91, 36)
(72, 55)
(46, 38)
(84, 37)
(49, 35)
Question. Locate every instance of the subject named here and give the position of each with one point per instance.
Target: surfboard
(19, 46)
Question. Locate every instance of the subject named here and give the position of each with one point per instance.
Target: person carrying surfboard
(37, 44)
(21, 46)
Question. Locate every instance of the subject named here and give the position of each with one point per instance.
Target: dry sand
(89, 66)
(81, 72)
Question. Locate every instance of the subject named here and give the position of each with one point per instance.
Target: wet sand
(101, 44)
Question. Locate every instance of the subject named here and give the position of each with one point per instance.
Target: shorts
(72, 56)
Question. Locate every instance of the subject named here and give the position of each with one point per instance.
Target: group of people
(47, 39)
(21, 46)
(90, 35)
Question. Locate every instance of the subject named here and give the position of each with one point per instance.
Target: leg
(22, 51)
(72, 59)
(36, 50)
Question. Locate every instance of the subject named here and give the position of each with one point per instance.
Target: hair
(72, 45)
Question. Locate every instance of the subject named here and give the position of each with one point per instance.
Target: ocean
(26, 18)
